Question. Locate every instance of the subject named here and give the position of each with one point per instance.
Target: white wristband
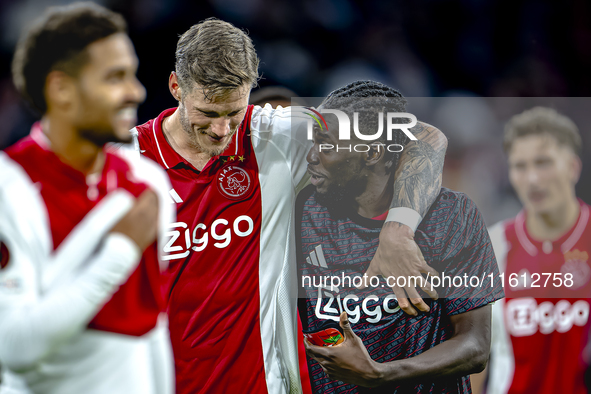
(406, 216)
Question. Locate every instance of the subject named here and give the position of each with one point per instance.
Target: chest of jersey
(546, 312)
(548, 289)
(218, 220)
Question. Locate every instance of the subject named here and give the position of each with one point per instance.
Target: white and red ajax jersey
(232, 292)
(540, 329)
(59, 218)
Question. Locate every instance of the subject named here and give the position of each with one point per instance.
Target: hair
(58, 40)
(543, 121)
(368, 99)
(217, 56)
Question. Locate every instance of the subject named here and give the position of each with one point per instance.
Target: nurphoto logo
(344, 134)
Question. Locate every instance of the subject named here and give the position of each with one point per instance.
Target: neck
(70, 147)
(376, 198)
(553, 225)
(178, 139)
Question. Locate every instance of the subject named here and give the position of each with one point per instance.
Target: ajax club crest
(575, 262)
(234, 182)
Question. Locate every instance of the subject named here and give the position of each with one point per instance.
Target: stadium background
(426, 48)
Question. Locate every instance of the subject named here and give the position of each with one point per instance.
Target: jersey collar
(169, 158)
(565, 243)
(39, 137)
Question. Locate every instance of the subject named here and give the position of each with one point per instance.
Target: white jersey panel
(98, 362)
(24, 228)
(281, 160)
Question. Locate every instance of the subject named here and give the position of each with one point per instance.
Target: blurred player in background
(234, 168)
(77, 312)
(339, 218)
(540, 329)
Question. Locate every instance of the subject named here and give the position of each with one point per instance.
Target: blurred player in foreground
(339, 218)
(540, 329)
(77, 312)
(234, 168)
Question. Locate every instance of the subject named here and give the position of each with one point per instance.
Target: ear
(60, 90)
(374, 154)
(173, 86)
(577, 167)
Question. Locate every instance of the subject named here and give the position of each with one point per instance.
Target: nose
(312, 156)
(135, 90)
(221, 127)
(532, 177)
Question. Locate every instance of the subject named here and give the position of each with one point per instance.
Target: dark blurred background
(425, 48)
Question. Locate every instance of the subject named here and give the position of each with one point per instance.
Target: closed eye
(210, 114)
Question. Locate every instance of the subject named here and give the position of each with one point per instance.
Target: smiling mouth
(212, 137)
(537, 196)
(215, 138)
(127, 114)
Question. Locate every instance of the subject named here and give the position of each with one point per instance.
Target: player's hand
(348, 362)
(140, 224)
(398, 255)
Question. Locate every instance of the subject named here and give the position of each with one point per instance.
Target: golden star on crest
(224, 161)
(231, 158)
(241, 158)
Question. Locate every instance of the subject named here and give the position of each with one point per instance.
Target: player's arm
(36, 324)
(464, 353)
(417, 184)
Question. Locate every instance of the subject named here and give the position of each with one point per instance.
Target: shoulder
(265, 120)
(16, 186)
(498, 231)
(145, 135)
(144, 130)
(23, 213)
(13, 177)
(450, 206)
(142, 168)
(23, 151)
(281, 120)
(453, 224)
(305, 195)
(500, 235)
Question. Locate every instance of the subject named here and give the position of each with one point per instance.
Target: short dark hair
(217, 56)
(368, 99)
(540, 121)
(58, 41)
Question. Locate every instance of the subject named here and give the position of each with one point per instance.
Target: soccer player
(540, 329)
(233, 169)
(79, 302)
(339, 217)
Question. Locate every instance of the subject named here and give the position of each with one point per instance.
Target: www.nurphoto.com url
(535, 280)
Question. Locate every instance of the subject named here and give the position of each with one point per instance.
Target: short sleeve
(468, 268)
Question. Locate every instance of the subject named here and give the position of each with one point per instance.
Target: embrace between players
(101, 286)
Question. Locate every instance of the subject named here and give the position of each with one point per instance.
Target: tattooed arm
(418, 177)
(417, 184)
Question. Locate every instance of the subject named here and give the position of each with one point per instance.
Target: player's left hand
(348, 362)
(398, 255)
